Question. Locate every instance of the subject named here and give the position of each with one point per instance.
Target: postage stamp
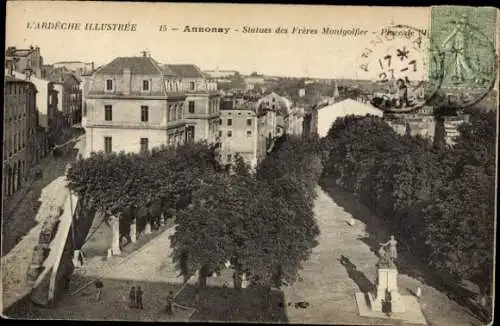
(399, 60)
(465, 37)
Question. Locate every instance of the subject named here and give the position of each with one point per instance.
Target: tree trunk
(147, 228)
(162, 220)
(237, 279)
(115, 240)
(133, 231)
(202, 280)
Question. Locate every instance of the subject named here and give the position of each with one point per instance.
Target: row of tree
(260, 221)
(439, 200)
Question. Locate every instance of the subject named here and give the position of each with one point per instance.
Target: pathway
(150, 267)
(330, 288)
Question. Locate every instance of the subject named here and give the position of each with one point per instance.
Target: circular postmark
(404, 67)
(469, 61)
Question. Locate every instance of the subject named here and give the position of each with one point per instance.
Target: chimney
(126, 81)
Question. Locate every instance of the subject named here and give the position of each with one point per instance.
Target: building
(78, 67)
(239, 133)
(23, 140)
(72, 100)
(418, 123)
(46, 106)
(24, 59)
(253, 80)
(202, 102)
(135, 103)
(220, 74)
(281, 106)
(294, 121)
(329, 113)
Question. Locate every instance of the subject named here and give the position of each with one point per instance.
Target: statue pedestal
(388, 282)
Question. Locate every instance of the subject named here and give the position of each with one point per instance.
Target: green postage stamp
(465, 39)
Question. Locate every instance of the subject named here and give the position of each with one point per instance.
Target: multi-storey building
(46, 106)
(24, 59)
(134, 104)
(239, 133)
(22, 138)
(70, 97)
(202, 102)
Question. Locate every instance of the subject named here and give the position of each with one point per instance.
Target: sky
(321, 56)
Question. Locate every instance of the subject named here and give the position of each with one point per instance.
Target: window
(229, 122)
(109, 85)
(249, 122)
(108, 113)
(144, 113)
(144, 145)
(191, 86)
(220, 122)
(107, 145)
(229, 157)
(191, 106)
(220, 133)
(145, 85)
(229, 133)
(179, 112)
(249, 133)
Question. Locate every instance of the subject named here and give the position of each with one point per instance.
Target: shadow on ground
(364, 284)
(211, 304)
(407, 263)
(228, 304)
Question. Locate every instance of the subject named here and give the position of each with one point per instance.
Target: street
(327, 285)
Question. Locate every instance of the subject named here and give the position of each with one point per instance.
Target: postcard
(249, 163)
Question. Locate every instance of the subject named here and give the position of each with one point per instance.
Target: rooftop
(143, 65)
(187, 70)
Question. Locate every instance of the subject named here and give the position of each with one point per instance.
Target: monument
(386, 301)
(387, 295)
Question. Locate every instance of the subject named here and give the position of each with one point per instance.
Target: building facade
(25, 59)
(22, 137)
(72, 100)
(202, 102)
(133, 104)
(239, 135)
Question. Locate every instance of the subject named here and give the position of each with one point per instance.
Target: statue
(383, 258)
(391, 254)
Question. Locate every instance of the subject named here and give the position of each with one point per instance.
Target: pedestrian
(133, 297)
(98, 286)
(419, 292)
(138, 297)
(169, 309)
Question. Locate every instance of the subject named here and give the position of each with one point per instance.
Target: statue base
(387, 291)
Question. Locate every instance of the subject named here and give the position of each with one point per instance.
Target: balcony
(132, 124)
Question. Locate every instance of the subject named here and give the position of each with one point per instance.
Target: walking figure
(133, 297)
(456, 43)
(98, 286)
(170, 303)
(139, 297)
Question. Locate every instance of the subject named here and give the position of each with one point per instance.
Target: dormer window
(109, 85)
(145, 85)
